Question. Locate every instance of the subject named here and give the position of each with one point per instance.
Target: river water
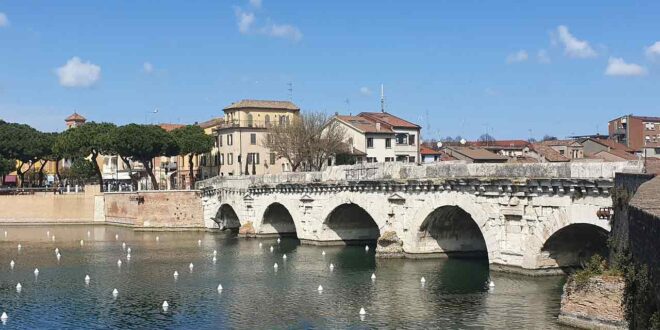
(254, 294)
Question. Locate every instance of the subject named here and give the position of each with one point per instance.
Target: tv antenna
(290, 89)
(382, 98)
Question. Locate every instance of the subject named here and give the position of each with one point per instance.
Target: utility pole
(382, 98)
(290, 89)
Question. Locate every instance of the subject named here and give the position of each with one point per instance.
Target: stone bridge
(529, 218)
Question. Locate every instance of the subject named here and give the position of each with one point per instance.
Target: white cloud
(574, 47)
(147, 67)
(4, 21)
(618, 67)
(519, 56)
(365, 91)
(255, 3)
(542, 56)
(653, 51)
(284, 31)
(76, 73)
(245, 21)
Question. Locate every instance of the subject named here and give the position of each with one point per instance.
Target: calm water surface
(255, 295)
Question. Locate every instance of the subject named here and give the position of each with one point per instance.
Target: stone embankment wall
(46, 207)
(596, 305)
(155, 209)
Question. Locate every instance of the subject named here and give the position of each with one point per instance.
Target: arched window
(249, 120)
(267, 120)
(282, 120)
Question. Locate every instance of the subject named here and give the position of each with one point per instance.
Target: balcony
(619, 131)
(169, 166)
(247, 124)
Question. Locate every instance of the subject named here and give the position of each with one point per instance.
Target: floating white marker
(176, 274)
(491, 284)
(57, 250)
(128, 250)
(366, 248)
(373, 276)
(271, 248)
(48, 233)
(5, 236)
(199, 242)
(332, 267)
(423, 280)
(58, 256)
(323, 253)
(116, 237)
(119, 263)
(11, 264)
(260, 244)
(87, 279)
(191, 266)
(19, 247)
(4, 316)
(275, 266)
(128, 257)
(89, 233)
(165, 306)
(215, 253)
(115, 293)
(19, 287)
(362, 311)
(53, 238)
(219, 287)
(36, 272)
(320, 288)
(215, 259)
(123, 245)
(157, 238)
(82, 242)
(278, 240)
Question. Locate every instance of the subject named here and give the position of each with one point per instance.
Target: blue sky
(505, 67)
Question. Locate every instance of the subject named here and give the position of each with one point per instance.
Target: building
(636, 132)
(571, 149)
(209, 163)
(507, 148)
(240, 136)
(474, 155)
(74, 120)
(546, 154)
(376, 137)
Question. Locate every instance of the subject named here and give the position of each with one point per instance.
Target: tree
(549, 138)
(45, 145)
(81, 170)
(6, 166)
(312, 138)
(143, 143)
(22, 143)
(486, 138)
(192, 141)
(88, 140)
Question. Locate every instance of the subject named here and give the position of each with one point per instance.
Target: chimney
(378, 127)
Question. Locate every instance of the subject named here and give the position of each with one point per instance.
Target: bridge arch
(277, 220)
(572, 246)
(349, 223)
(227, 218)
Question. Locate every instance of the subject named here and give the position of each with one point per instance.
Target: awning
(11, 179)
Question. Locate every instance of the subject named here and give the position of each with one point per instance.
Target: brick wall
(155, 209)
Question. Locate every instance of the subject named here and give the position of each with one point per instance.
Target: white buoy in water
(128, 250)
(362, 311)
(275, 266)
(423, 280)
(87, 279)
(119, 262)
(271, 248)
(57, 250)
(89, 233)
(320, 288)
(4, 316)
(19, 247)
(157, 238)
(215, 253)
(191, 266)
(53, 238)
(123, 245)
(278, 240)
(366, 248)
(215, 259)
(176, 274)
(5, 236)
(332, 267)
(260, 244)
(199, 242)
(36, 272)
(48, 233)
(284, 257)
(491, 284)
(323, 253)
(165, 306)
(128, 257)
(11, 264)
(219, 287)
(19, 287)
(115, 293)
(58, 256)
(116, 237)
(373, 276)
(82, 242)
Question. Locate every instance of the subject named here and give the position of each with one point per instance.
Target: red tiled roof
(211, 122)
(612, 144)
(548, 153)
(476, 153)
(263, 104)
(517, 144)
(170, 127)
(75, 117)
(559, 142)
(389, 119)
(365, 125)
(424, 150)
(614, 154)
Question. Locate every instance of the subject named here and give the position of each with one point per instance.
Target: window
(230, 158)
(249, 120)
(267, 120)
(222, 159)
(411, 159)
(253, 139)
(388, 143)
(370, 142)
(389, 159)
(282, 121)
(371, 160)
(220, 140)
(230, 139)
(203, 160)
(561, 152)
(272, 158)
(253, 157)
(401, 138)
(411, 139)
(238, 159)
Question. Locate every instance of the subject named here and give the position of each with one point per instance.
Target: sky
(513, 69)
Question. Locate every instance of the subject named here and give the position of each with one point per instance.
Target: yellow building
(240, 136)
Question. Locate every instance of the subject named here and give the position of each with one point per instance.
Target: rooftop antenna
(382, 98)
(348, 104)
(290, 89)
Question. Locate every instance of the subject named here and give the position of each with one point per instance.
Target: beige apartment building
(240, 137)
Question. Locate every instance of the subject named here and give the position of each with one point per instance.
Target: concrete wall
(50, 208)
(155, 209)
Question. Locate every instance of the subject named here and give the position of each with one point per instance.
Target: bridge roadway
(529, 218)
